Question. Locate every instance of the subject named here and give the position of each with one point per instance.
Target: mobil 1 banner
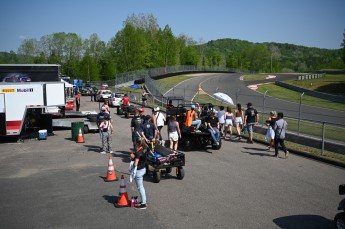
(29, 73)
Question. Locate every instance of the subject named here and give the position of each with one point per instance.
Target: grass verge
(293, 96)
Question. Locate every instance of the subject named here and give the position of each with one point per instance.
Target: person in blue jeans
(213, 127)
(139, 170)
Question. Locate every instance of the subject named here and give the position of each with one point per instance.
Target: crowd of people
(146, 130)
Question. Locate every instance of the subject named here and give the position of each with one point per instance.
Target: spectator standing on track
(213, 127)
(221, 119)
(270, 122)
(77, 101)
(228, 116)
(251, 119)
(280, 128)
(239, 120)
(107, 131)
(136, 123)
(160, 120)
(138, 171)
(144, 98)
(174, 132)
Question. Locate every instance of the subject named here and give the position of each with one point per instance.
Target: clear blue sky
(312, 23)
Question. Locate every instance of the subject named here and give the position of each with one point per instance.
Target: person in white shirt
(220, 115)
(160, 119)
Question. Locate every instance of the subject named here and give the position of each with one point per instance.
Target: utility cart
(165, 159)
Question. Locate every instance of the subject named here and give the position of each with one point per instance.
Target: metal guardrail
(323, 132)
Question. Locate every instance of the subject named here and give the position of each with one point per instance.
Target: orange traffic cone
(80, 137)
(123, 200)
(111, 174)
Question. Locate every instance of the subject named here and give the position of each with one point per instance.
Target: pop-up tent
(136, 86)
(66, 83)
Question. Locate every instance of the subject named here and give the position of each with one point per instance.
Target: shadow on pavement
(93, 148)
(259, 154)
(124, 155)
(303, 221)
(111, 199)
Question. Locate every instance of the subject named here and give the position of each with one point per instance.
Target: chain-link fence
(326, 134)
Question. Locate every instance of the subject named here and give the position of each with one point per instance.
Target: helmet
(141, 109)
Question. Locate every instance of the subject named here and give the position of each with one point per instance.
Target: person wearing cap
(213, 127)
(148, 130)
(141, 113)
(136, 123)
(251, 118)
(192, 118)
(196, 121)
(160, 120)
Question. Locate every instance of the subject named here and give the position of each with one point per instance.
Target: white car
(103, 95)
(115, 99)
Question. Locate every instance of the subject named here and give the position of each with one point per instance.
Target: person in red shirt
(125, 100)
(77, 101)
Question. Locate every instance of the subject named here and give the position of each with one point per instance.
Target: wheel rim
(340, 224)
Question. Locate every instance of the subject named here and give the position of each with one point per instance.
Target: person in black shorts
(251, 118)
(136, 123)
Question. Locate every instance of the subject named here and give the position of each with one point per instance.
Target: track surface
(236, 88)
(57, 183)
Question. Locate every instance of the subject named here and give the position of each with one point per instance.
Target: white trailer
(22, 104)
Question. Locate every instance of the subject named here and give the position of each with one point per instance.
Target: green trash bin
(75, 126)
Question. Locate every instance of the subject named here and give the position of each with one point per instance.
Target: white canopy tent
(66, 83)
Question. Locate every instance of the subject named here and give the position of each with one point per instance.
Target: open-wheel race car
(190, 137)
(162, 158)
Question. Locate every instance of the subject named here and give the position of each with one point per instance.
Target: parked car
(115, 99)
(103, 95)
(86, 91)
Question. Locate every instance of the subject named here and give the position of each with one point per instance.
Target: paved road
(57, 184)
(231, 84)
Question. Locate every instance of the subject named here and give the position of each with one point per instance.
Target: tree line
(142, 44)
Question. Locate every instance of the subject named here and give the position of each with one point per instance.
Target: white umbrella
(223, 97)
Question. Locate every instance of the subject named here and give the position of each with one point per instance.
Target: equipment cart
(165, 159)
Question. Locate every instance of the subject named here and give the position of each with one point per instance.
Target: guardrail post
(237, 94)
(263, 108)
(323, 139)
(300, 110)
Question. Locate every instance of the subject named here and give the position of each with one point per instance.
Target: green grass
(254, 77)
(306, 149)
(169, 82)
(293, 96)
(333, 84)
